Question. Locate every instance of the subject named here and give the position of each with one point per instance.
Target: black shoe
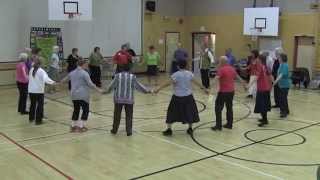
(215, 128)
(227, 126)
(167, 132)
(113, 132)
(39, 123)
(250, 96)
(275, 106)
(190, 131)
(260, 120)
(129, 134)
(262, 124)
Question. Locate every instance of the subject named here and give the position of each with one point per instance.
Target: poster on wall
(45, 38)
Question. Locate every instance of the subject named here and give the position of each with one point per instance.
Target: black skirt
(182, 109)
(152, 70)
(263, 102)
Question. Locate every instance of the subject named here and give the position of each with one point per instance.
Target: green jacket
(95, 59)
(205, 61)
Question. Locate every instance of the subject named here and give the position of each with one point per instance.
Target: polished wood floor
(285, 149)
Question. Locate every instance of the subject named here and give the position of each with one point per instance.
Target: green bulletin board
(46, 38)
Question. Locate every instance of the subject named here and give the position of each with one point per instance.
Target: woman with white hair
(22, 83)
(54, 67)
(275, 68)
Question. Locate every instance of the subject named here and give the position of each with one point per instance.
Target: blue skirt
(263, 102)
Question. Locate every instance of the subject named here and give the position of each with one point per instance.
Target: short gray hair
(23, 56)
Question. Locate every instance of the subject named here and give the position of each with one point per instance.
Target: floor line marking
(205, 154)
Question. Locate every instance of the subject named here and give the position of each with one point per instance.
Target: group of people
(83, 76)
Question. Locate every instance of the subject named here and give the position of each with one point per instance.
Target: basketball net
(255, 32)
(74, 16)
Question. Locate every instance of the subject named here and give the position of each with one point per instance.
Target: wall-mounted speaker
(150, 6)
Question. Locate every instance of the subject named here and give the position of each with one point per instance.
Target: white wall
(115, 22)
(10, 29)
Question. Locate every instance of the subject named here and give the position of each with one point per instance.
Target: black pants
(283, 101)
(23, 96)
(117, 117)
(36, 107)
(95, 75)
(205, 78)
(77, 105)
(277, 92)
(224, 99)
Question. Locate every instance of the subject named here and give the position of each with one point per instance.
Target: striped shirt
(123, 85)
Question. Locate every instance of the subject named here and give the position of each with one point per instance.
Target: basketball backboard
(63, 10)
(261, 21)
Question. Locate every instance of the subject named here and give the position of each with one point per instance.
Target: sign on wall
(46, 38)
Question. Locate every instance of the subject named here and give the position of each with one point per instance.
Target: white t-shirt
(54, 61)
(37, 83)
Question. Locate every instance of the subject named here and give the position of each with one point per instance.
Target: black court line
(228, 151)
(303, 139)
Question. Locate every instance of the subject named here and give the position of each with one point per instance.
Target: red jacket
(122, 57)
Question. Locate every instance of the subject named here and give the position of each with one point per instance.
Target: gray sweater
(80, 84)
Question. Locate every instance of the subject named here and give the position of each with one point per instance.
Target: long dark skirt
(182, 109)
(95, 75)
(263, 102)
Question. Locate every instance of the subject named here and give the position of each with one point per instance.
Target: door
(197, 45)
(172, 41)
(304, 53)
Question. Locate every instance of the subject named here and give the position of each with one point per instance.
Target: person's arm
(91, 84)
(140, 87)
(111, 86)
(278, 79)
(194, 81)
(65, 79)
(241, 81)
(25, 72)
(254, 79)
(211, 56)
(162, 86)
(47, 80)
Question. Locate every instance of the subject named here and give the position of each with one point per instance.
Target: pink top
(22, 73)
(227, 74)
(263, 82)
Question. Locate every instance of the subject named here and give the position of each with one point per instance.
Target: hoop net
(74, 16)
(255, 33)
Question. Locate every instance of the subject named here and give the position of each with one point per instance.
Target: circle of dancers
(266, 73)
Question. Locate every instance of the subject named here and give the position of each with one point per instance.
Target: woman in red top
(263, 78)
(226, 78)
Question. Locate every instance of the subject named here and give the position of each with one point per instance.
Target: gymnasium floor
(286, 149)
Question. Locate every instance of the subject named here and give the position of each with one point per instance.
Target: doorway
(304, 54)
(171, 43)
(197, 46)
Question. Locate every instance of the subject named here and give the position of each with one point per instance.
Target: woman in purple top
(179, 55)
(22, 83)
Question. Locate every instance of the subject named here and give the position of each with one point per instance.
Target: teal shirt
(284, 82)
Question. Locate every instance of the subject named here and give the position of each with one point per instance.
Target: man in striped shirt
(124, 84)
